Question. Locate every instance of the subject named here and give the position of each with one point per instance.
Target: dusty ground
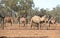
(28, 27)
(31, 33)
(20, 31)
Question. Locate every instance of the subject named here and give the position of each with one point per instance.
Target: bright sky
(46, 3)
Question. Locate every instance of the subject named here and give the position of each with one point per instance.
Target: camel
(21, 20)
(8, 19)
(37, 20)
(52, 20)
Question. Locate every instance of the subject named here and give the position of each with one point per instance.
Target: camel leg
(31, 25)
(11, 22)
(3, 24)
(39, 26)
(48, 24)
(18, 22)
(24, 24)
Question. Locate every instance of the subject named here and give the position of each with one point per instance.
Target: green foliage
(26, 7)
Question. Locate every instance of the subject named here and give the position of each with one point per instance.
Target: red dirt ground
(28, 27)
(16, 31)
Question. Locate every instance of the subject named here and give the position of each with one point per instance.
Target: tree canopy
(22, 7)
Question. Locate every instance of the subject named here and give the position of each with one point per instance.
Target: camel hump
(36, 19)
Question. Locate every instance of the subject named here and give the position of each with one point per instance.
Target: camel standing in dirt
(37, 20)
(52, 20)
(8, 19)
(21, 20)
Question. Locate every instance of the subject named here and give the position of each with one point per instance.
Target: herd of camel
(35, 19)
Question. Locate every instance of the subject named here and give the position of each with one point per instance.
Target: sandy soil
(28, 27)
(20, 31)
(30, 33)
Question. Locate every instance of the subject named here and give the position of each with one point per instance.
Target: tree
(25, 5)
(42, 12)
